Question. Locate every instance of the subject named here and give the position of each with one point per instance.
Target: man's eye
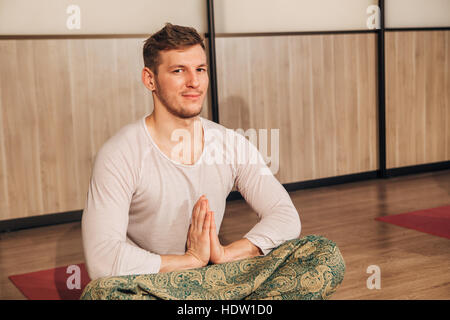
(177, 71)
(201, 69)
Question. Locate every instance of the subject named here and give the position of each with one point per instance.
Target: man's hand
(217, 250)
(237, 250)
(198, 242)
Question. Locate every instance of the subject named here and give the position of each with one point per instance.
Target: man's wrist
(225, 257)
(241, 249)
(192, 261)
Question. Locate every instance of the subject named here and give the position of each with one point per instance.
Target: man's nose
(192, 79)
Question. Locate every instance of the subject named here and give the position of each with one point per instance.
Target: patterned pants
(311, 267)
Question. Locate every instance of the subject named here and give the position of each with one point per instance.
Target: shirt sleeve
(105, 220)
(279, 219)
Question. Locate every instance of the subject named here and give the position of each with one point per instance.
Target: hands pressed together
(203, 243)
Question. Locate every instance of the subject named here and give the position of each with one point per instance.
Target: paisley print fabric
(311, 267)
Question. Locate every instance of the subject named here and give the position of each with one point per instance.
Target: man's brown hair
(168, 38)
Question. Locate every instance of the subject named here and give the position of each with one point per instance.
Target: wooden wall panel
(319, 90)
(60, 100)
(417, 97)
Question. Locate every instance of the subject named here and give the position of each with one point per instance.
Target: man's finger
(195, 213)
(201, 217)
(213, 238)
(213, 225)
(207, 224)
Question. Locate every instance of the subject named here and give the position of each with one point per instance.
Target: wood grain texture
(319, 90)
(417, 97)
(413, 264)
(60, 100)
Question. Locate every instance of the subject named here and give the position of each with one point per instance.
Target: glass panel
(237, 16)
(417, 13)
(48, 17)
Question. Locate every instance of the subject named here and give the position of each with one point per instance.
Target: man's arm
(172, 262)
(105, 219)
(237, 250)
(279, 219)
(241, 249)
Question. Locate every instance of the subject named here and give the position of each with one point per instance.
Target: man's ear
(148, 79)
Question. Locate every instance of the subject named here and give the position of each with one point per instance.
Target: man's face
(182, 81)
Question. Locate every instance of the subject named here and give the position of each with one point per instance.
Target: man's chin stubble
(184, 115)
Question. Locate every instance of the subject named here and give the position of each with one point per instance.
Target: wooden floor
(414, 265)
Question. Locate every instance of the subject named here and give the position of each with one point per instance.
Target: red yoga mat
(435, 221)
(63, 283)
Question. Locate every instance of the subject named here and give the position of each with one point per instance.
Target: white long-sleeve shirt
(140, 201)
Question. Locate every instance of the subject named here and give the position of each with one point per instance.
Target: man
(153, 207)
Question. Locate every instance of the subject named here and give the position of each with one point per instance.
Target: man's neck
(167, 130)
(164, 125)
